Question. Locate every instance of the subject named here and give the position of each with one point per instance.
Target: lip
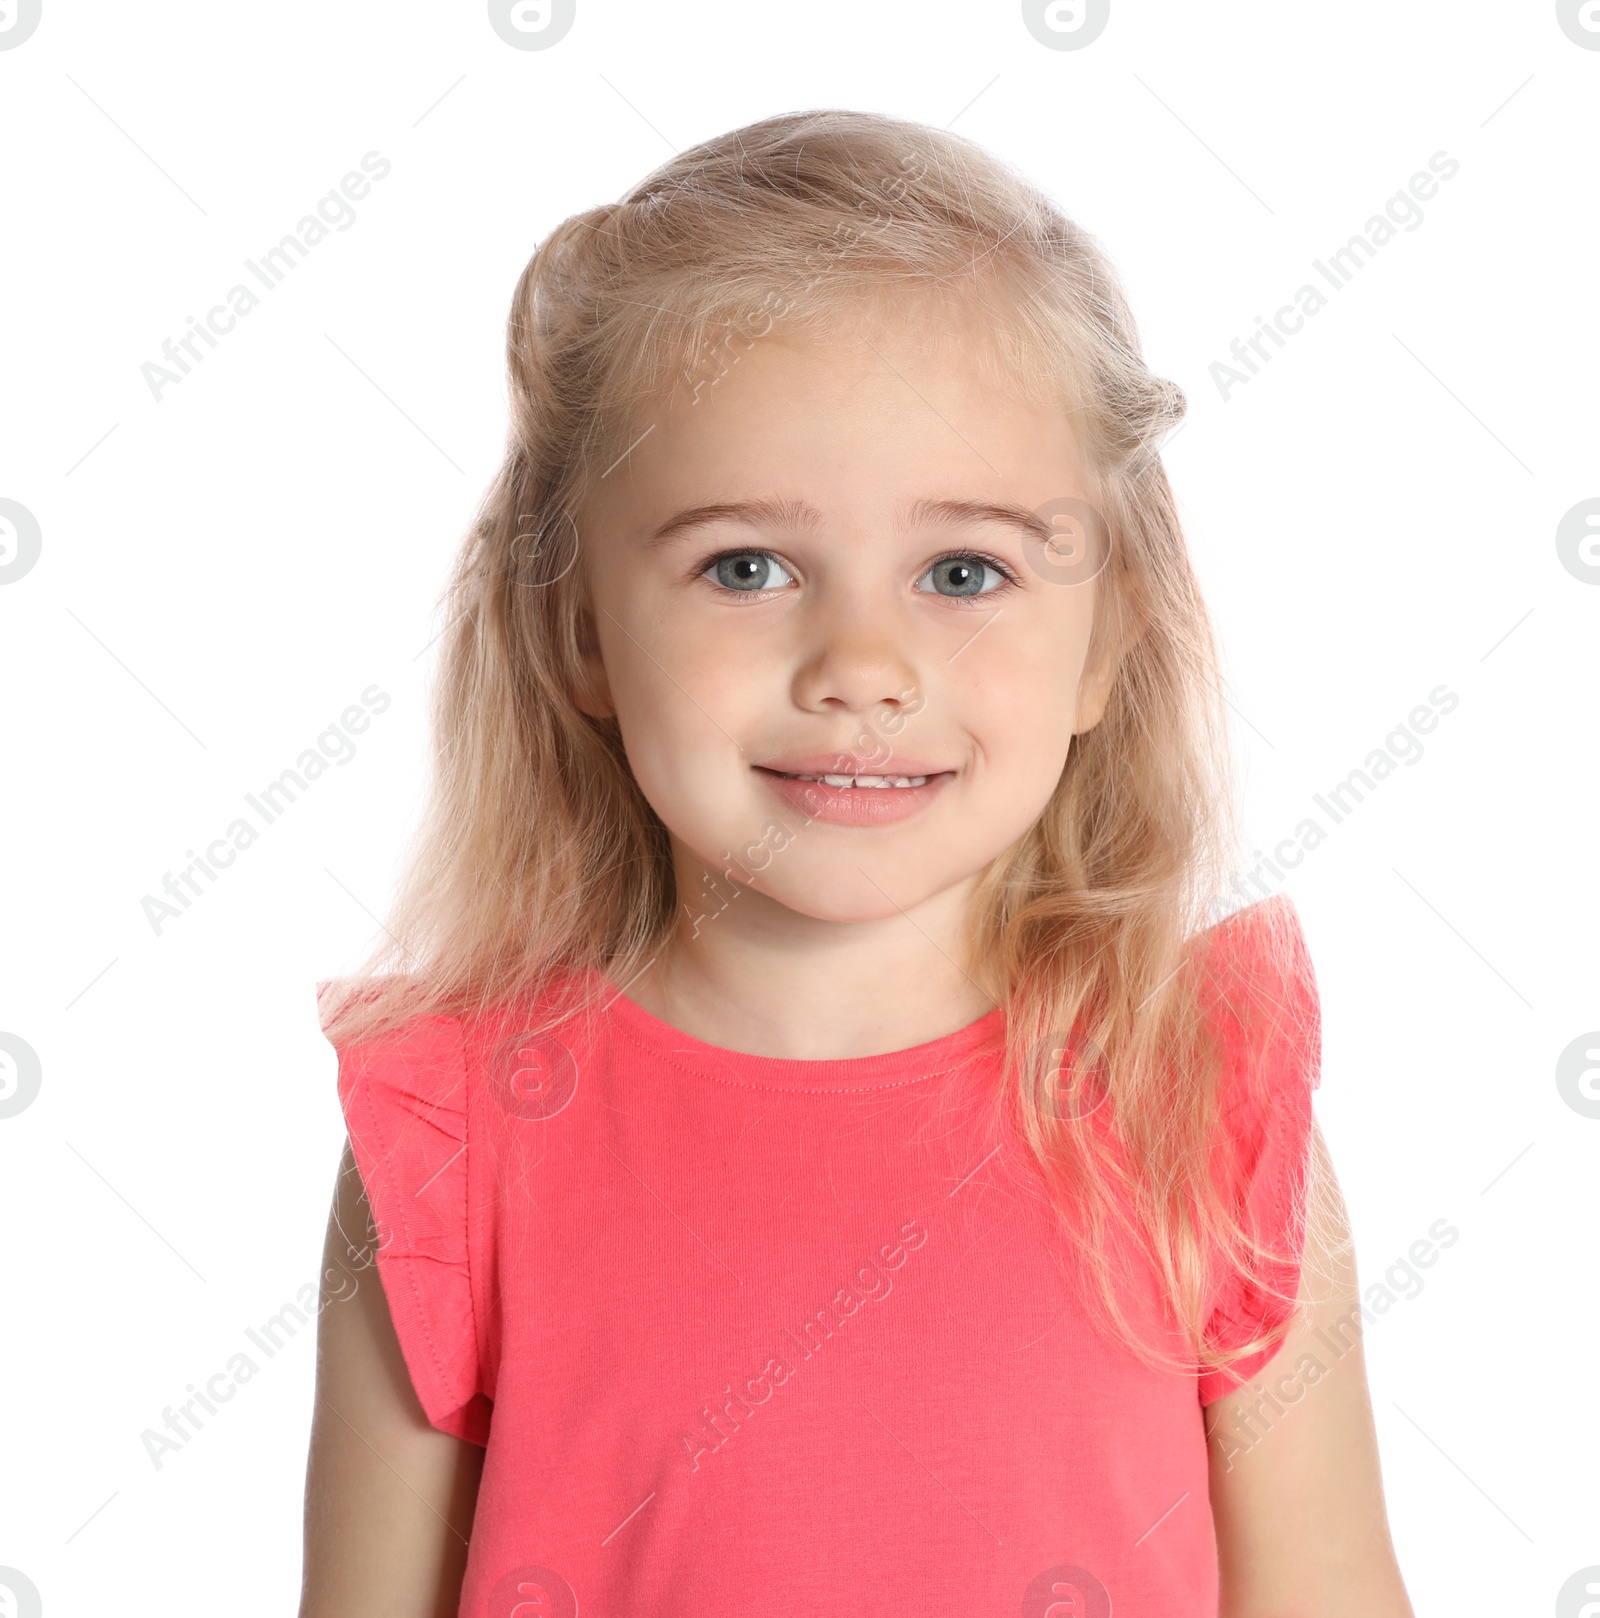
(853, 806)
(853, 764)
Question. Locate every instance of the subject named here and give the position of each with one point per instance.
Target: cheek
(681, 711)
(1019, 696)
(675, 733)
(682, 686)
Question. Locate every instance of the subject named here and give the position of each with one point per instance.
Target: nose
(855, 664)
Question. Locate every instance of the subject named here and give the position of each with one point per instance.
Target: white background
(226, 570)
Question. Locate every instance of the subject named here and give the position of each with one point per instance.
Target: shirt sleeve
(404, 1099)
(1272, 1036)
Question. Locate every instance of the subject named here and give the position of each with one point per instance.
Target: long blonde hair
(539, 862)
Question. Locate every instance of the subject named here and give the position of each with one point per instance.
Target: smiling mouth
(870, 781)
(855, 797)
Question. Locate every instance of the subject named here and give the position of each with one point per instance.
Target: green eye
(749, 571)
(965, 575)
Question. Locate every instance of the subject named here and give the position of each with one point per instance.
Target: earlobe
(589, 703)
(1092, 695)
(592, 691)
(1094, 688)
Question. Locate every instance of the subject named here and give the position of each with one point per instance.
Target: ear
(593, 691)
(1094, 688)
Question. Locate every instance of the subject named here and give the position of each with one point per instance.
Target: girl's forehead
(982, 328)
(895, 373)
(789, 444)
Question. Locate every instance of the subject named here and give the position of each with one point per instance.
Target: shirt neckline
(677, 1049)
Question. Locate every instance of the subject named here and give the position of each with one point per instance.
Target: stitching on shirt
(1280, 1136)
(467, 1208)
(395, 1195)
(786, 1089)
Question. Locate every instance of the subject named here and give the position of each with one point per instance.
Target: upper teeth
(865, 780)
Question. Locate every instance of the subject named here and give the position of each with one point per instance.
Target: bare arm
(389, 1499)
(1295, 1484)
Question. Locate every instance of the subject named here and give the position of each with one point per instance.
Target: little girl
(825, 1146)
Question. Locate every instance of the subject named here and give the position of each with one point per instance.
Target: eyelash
(702, 570)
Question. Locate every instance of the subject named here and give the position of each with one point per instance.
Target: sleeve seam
(471, 1215)
(398, 1269)
(404, 1265)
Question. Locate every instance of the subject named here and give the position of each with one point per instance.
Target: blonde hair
(539, 862)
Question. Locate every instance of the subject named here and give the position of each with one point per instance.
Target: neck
(761, 978)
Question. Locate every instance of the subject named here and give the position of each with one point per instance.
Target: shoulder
(392, 1064)
(403, 1092)
(1262, 995)
(1259, 986)
(436, 1059)
(1258, 954)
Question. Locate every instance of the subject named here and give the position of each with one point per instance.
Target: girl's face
(830, 564)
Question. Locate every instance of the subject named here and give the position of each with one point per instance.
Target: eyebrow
(758, 513)
(797, 514)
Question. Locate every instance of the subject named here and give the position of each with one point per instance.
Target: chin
(848, 894)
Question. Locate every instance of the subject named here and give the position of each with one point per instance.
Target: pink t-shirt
(751, 1335)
